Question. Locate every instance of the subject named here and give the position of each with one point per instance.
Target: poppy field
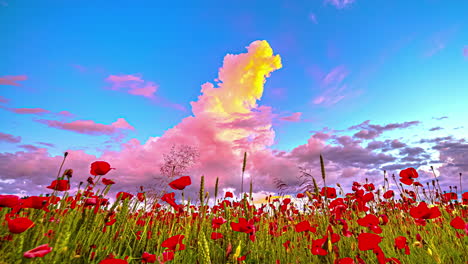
(413, 223)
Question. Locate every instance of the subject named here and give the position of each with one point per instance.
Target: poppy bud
(68, 173)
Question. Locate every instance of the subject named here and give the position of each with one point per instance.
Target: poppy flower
(148, 258)
(40, 251)
(346, 261)
(215, 235)
(450, 196)
(407, 175)
(106, 181)
(172, 242)
(168, 255)
(401, 243)
(304, 226)
(141, 196)
(100, 168)
(228, 194)
(19, 225)
(243, 226)
(317, 246)
(60, 185)
(328, 192)
(300, 195)
(180, 183)
(388, 194)
(465, 198)
(423, 212)
(124, 195)
(368, 241)
(458, 223)
(36, 202)
(370, 221)
(113, 261)
(217, 222)
(9, 201)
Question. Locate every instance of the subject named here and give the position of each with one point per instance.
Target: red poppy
(19, 225)
(60, 185)
(40, 251)
(465, 197)
(317, 246)
(407, 175)
(243, 226)
(9, 201)
(180, 183)
(346, 261)
(300, 195)
(113, 261)
(401, 243)
(124, 195)
(148, 258)
(106, 181)
(388, 194)
(215, 235)
(168, 255)
(228, 194)
(458, 223)
(36, 202)
(423, 212)
(329, 192)
(304, 226)
(370, 221)
(172, 242)
(217, 222)
(450, 196)
(368, 241)
(100, 168)
(169, 198)
(369, 187)
(141, 196)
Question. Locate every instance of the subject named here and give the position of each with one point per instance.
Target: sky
(370, 85)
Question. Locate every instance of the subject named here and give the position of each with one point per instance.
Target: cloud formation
(134, 84)
(333, 85)
(12, 80)
(340, 4)
(9, 138)
(89, 127)
(372, 131)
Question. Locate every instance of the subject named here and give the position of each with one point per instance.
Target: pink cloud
(4, 100)
(465, 51)
(37, 111)
(339, 3)
(292, 118)
(9, 138)
(134, 83)
(80, 68)
(226, 121)
(439, 40)
(334, 88)
(12, 80)
(89, 127)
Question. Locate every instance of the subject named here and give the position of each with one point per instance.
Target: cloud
(438, 41)
(340, 4)
(372, 131)
(226, 122)
(9, 138)
(89, 127)
(4, 100)
(440, 118)
(12, 80)
(435, 128)
(134, 83)
(292, 118)
(35, 111)
(333, 85)
(465, 51)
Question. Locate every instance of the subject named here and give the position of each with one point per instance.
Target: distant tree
(176, 162)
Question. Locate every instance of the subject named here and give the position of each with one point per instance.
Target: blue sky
(343, 62)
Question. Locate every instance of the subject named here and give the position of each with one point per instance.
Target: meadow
(413, 223)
